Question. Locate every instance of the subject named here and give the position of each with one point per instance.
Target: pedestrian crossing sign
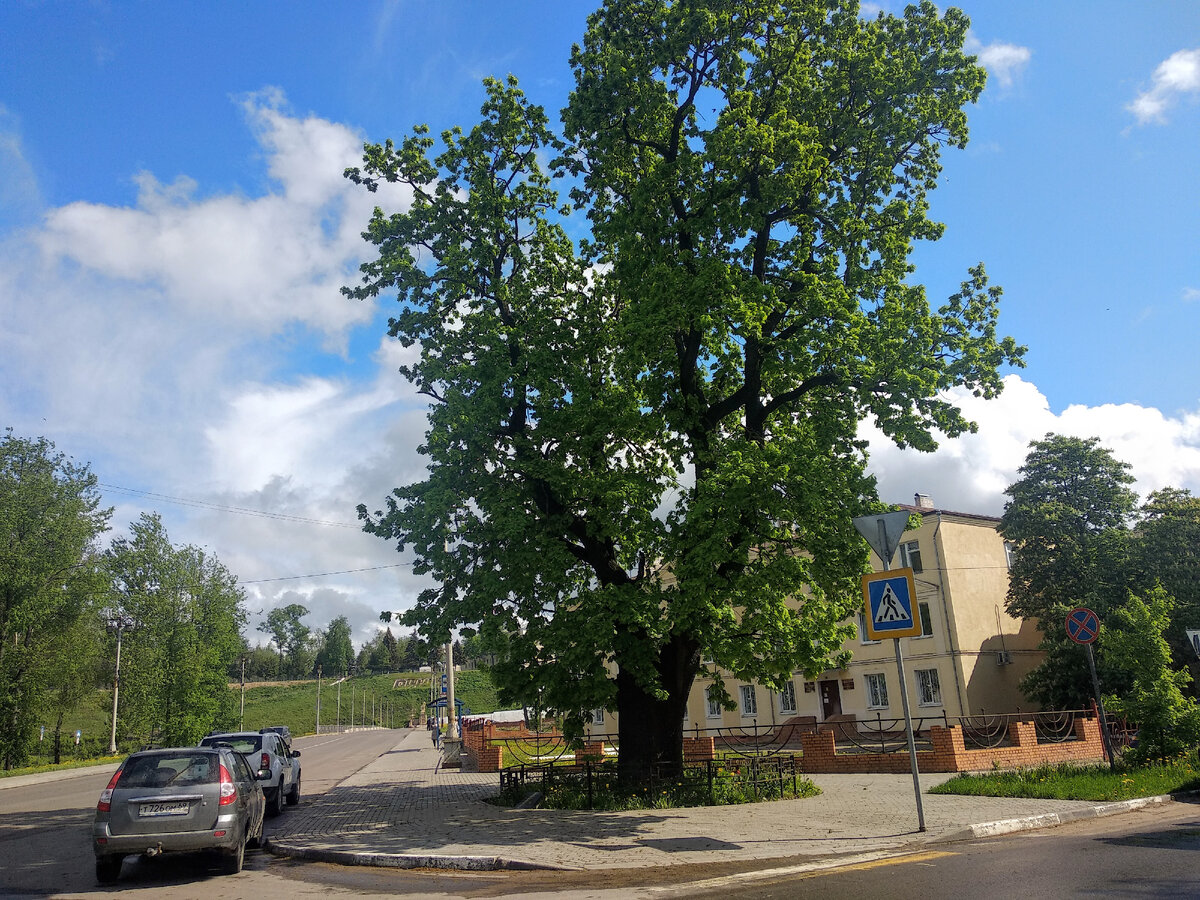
(889, 598)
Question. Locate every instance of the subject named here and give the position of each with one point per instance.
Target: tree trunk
(650, 730)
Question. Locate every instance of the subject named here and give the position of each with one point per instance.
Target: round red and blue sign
(1083, 625)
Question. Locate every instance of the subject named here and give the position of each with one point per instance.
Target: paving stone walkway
(405, 810)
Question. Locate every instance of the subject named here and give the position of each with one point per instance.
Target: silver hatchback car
(188, 798)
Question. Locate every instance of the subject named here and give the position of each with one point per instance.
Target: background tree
(290, 636)
(1167, 552)
(1068, 518)
(1133, 641)
(187, 616)
(336, 652)
(684, 394)
(50, 520)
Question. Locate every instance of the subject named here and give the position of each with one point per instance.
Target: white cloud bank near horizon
(161, 342)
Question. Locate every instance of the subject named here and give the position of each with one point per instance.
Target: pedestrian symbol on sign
(890, 610)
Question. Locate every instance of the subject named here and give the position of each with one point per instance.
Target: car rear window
(173, 770)
(240, 743)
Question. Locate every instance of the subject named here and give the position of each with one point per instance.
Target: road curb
(405, 860)
(1049, 820)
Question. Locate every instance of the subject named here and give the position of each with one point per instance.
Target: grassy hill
(396, 698)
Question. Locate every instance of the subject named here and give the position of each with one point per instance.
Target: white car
(266, 751)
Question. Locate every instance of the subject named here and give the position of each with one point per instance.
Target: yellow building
(969, 659)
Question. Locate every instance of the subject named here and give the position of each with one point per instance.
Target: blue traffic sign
(1083, 625)
(890, 603)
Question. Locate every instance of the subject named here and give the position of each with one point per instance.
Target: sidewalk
(404, 811)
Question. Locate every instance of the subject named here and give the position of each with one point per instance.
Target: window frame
(749, 701)
(910, 556)
(877, 692)
(789, 690)
(925, 618)
(929, 687)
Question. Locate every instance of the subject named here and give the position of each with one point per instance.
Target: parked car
(282, 730)
(266, 751)
(186, 798)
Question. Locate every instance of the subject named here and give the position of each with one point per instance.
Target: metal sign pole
(908, 726)
(884, 537)
(1108, 748)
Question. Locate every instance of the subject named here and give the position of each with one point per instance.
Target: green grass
(293, 704)
(1075, 782)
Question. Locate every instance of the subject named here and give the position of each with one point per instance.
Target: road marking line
(856, 862)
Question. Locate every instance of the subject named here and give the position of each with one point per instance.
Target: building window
(862, 629)
(876, 691)
(787, 699)
(598, 716)
(929, 690)
(1010, 553)
(714, 708)
(749, 701)
(910, 556)
(926, 619)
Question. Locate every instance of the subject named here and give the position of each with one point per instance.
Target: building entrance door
(831, 699)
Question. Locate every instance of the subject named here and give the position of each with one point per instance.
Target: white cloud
(1177, 75)
(1191, 295)
(1004, 62)
(970, 474)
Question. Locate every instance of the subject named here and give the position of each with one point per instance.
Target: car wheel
(293, 796)
(276, 805)
(108, 868)
(232, 862)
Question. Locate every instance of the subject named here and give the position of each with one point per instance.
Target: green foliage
(1067, 781)
(1133, 640)
(647, 444)
(1167, 552)
(185, 616)
(290, 636)
(50, 520)
(1068, 519)
(693, 787)
(336, 653)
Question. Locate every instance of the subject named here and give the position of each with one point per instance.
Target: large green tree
(645, 445)
(50, 521)
(336, 652)
(290, 635)
(1068, 518)
(1166, 552)
(185, 616)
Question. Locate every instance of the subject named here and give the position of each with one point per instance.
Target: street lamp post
(120, 623)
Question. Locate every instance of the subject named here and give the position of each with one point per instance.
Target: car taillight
(228, 788)
(105, 804)
(265, 761)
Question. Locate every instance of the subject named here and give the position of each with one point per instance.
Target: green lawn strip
(73, 764)
(1074, 782)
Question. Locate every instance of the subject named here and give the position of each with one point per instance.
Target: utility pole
(318, 699)
(242, 710)
(120, 623)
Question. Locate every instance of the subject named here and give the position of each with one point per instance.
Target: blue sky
(174, 228)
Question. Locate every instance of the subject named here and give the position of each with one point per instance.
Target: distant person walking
(437, 737)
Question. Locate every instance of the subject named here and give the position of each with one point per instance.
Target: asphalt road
(45, 851)
(45, 833)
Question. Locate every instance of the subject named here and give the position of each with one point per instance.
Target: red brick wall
(949, 754)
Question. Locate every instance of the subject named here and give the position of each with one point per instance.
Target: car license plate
(175, 808)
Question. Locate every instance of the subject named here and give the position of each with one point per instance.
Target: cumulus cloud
(969, 474)
(1004, 62)
(1177, 76)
